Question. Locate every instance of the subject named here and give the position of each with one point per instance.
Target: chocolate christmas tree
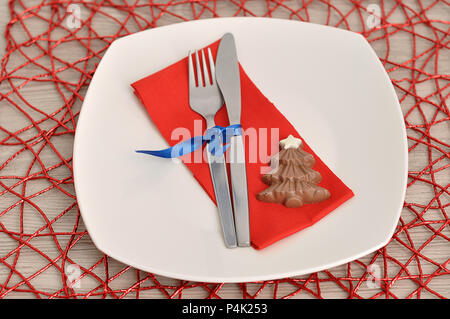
(293, 182)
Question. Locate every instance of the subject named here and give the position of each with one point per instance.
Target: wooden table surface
(438, 250)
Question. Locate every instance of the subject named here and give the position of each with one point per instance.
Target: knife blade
(227, 77)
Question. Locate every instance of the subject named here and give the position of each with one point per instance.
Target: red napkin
(165, 95)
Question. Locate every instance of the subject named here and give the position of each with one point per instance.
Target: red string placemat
(52, 50)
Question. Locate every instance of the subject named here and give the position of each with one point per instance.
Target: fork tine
(211, 67)
(205, 70)
(191, 72)
(199, 71)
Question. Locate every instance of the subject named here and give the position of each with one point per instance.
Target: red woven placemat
(52, 49)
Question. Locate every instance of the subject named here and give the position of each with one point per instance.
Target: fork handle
(219, 176)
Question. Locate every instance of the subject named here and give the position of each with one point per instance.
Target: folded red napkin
(165, 95)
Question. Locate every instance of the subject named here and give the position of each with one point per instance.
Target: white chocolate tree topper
(290, 142)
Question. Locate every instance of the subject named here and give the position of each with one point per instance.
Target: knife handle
(219, 176)
(239, 189)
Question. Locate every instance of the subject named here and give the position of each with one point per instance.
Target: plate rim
(242, 278)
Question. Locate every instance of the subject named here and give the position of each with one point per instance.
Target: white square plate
(151, 213)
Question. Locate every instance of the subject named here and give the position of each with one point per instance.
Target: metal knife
(227, 76)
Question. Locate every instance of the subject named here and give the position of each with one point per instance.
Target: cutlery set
(222, 82)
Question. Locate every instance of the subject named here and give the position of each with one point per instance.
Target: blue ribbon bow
(215, 137)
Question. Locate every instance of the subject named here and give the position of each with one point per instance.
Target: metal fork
(205, 99)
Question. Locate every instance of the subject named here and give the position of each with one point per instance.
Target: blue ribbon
(215, 137)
